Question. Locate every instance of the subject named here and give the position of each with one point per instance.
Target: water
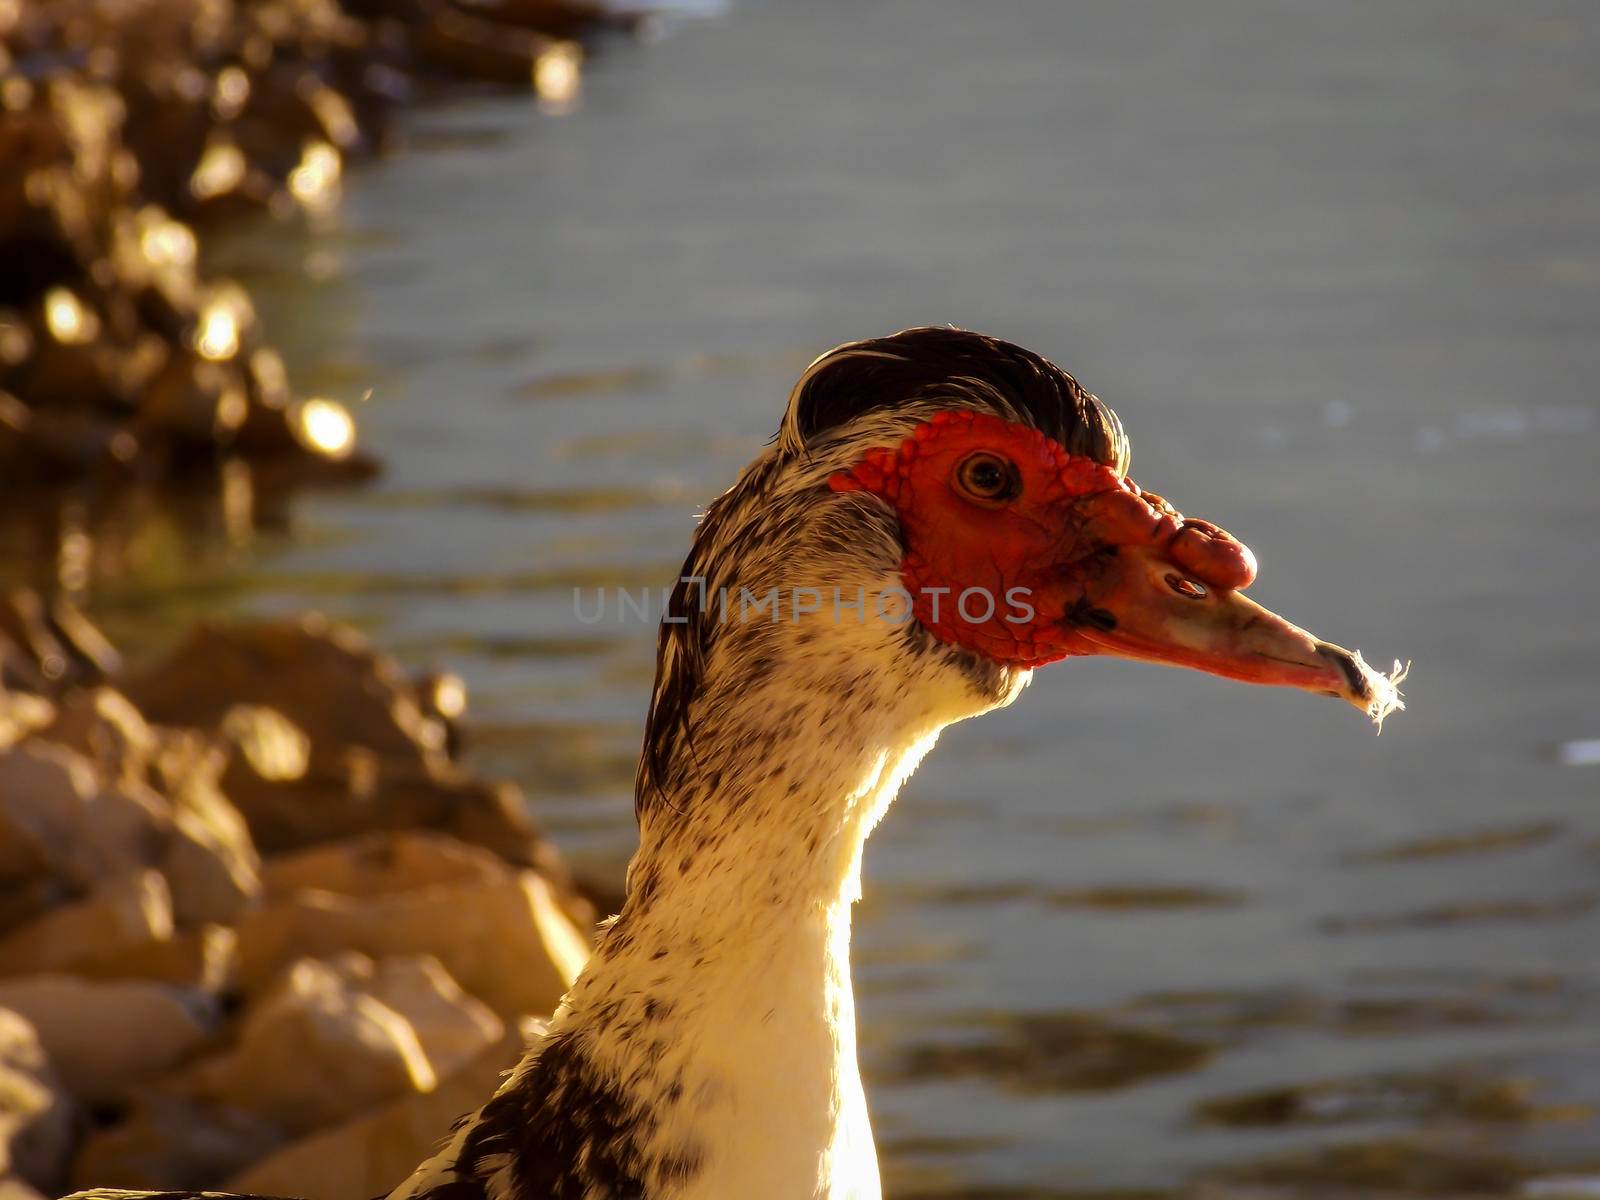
(1337, 267)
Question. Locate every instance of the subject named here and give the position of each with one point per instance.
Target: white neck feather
(736, 936)
(757, 1011)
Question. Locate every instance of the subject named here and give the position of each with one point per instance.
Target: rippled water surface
(1337, 267)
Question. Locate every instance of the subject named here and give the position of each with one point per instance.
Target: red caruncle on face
(1011, 542)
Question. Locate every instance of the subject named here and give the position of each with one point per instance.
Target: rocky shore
(258, 929)
(127, 129)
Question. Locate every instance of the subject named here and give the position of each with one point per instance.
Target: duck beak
(1151, 605)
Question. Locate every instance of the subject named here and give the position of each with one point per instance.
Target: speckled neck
(721, 995)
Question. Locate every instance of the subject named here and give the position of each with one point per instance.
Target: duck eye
(989, 477)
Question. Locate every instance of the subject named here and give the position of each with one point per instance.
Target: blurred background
(1338, 270)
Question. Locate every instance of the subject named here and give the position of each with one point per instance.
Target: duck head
(972, 501)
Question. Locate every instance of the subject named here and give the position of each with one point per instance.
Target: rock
(194, 403)
(104, 1036)
(508, 943)
(370, 1155)
(20, 714)
(443, 697)
(66, 442)
(486, 49)
(314, 1051)
(204, 959)
(44, 792)
(492, 814)
(168, 1142)
(212, 878)
(37, 1124)
(55, 818)
(361, 792)
(64, 645)
(451, 1026)
(17, 668)
(24, 621)
(381, 863)
(123, 916)
(211, 863)
(328, 740)
(104, 727)
(202, 108)
(209, 859)
(187, 759)
(274, 747)
(97, 658)
(25, 900)
(323, 678)
(561, 18)
(129, 824)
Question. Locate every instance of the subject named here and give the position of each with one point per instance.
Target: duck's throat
(709, 1048)
(720, 1000)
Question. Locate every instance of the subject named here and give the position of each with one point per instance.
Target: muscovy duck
(940, 513)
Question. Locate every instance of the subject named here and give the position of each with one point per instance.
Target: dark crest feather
(848, 382)
(682, 644)
(858, 377)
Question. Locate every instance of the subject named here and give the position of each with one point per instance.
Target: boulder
(373, 1153)
(313, 1051)
(507, 942)
(44, 792)
(17, 667)
(96, 657)
(205, 959)
(209, 858)
(273, 747)
(187, 758)
(451, 1026)
(127, 914)
(103, 726)
(212, 878)
(328, 740)
(24, 624)
(103, 1036)
(493, 814)
(169, 1142)
(37, 1124)
(329, 801)
(20, 714)
(381, 863)
(357, 791)
(210, 863)
(129, 825)
(323, 678)
(56, 818)
(23, 900)
(31, 624)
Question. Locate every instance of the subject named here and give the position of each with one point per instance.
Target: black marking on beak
(1346, 662)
